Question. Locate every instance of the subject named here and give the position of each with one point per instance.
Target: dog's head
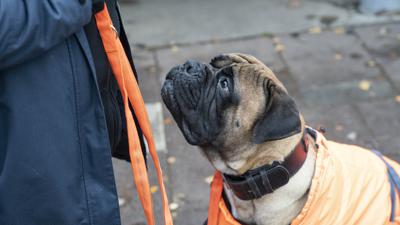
(233, 108)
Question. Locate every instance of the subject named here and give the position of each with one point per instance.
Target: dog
(276, 170)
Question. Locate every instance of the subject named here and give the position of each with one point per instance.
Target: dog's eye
(223, 83)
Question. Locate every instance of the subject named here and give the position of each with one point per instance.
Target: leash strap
(131, 95)
(394, 183)
(215, 196)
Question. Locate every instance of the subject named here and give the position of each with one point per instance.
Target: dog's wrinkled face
(230, 107)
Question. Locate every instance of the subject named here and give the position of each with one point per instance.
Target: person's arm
(31, 27)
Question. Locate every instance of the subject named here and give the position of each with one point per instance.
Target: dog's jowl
(271, 167)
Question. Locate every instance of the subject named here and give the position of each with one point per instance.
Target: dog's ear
(227, 59)
(280, 119)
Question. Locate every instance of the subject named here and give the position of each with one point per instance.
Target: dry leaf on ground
(339, 30)
(338, 127)
(174, 49)
(167, 121)
(371, 63)
(279, 48)
(153, 189)
(397, 98)
(171, 160)
(173, 206)
(364, 85)
(314, 30)
(352, 136)
(338, 56)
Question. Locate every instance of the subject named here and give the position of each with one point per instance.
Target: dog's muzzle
(182, 94)
(184, 82)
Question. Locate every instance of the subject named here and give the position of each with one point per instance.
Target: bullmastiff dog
(275, 169)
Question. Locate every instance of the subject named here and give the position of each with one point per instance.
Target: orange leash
(217, 187)
(131, 94)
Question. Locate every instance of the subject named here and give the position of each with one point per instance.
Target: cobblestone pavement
(346, 79)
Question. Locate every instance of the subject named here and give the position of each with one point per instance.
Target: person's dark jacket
(55, 155)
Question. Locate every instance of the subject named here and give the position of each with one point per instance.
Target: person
(61, 114)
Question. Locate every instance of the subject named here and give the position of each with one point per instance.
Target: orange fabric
(350, 186)
(129, 88)
(218, 213)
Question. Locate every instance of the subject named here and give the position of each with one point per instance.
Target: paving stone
(343, 124)
(329, 67)
(161, 22)
(192, 216)
(345, 92)
(326, 58)
(148, 75)
(383, 43)
(382, 118)
(155, 112)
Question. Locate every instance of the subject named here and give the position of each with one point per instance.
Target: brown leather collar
(264, 180)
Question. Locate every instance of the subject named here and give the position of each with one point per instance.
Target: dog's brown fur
(242, 143)
(237, 151)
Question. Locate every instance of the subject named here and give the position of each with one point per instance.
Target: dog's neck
(281, 206)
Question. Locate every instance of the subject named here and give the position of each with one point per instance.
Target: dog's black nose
(192, 67)
(189, 70)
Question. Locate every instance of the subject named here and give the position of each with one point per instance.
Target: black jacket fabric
(55, 157)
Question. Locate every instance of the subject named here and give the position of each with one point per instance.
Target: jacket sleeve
(30, 27)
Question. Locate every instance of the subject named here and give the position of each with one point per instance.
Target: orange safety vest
(351, 185)
(131, 95)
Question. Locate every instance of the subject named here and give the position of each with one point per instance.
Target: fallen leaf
(364, 85)
(276, 40)
(208, 179)
(167, 121)
(352, 136)
(338, 56)
(339, 30)
(371, 63)
(314, 30)
(338, 127)
(152, 69)
(121, 201)
(173, 206)
(171, 160)
(174, 49)
(279, 48)
(153, 189)
(397, 98)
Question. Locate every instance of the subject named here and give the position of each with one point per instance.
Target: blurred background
(338, 58)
